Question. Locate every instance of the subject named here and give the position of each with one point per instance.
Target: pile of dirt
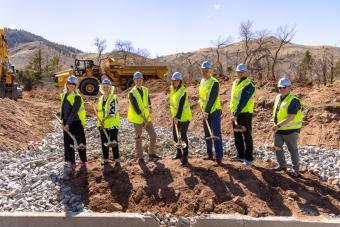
(202, 188)
(321, 112)
(27, 119)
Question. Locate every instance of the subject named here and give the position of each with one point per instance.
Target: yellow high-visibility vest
(71, 98)
(204, 92)
(236, 92)
(175, 97)
(102, 113)
(143, 104)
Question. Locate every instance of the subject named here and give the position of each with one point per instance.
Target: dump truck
(90, 75)
(8, 87)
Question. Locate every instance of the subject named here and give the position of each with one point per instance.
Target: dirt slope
(201, 188)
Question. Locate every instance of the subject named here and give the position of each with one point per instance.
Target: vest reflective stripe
(71, 98)
(111, 121)
(204, 93)
(282, 114)
(143, 104)
(236, 93)
(175, 97)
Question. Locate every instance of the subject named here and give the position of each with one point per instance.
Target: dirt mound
(27, 119)
(202, 188)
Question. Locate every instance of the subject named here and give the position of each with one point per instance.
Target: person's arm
(180, 106)
(149, 99)
(75, 109)
(134, 103)
(247, 92)
(212, 98)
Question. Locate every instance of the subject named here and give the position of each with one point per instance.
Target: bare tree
(285, 36)
(220, 43)
(144, 54)
(124, 48)
(101, 46)
(247, 35)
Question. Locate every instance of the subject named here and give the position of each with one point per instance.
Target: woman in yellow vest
(108, 120)
(139, 115)
(287, 116)
(73, 116)
(181, 114)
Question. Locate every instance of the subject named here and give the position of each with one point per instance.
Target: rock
(209, 205)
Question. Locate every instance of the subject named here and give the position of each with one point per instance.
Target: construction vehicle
(90, 75)
(8, 87)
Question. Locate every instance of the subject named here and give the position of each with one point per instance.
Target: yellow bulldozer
(90, 75)
(8, 87)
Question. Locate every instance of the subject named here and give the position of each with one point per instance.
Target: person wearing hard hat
(287, 117)
(242, 108)
(209, 101)
(73, 116)
(108, 120)
(139, 115)
(181, 114)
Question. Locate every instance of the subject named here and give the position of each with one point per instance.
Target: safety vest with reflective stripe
(143, 104)
(204, 92)
(112, 121)
(175, 97)
(282, 114)
(70, 98)
(236, 92)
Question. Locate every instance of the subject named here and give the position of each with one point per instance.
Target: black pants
(244, 138)
(113, 135)
(77, 130)
(183, 129)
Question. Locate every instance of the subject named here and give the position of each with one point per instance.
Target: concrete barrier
(35, 219)
(30, 219)
(217, 220)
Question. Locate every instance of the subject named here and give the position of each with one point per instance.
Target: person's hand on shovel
(205, 115)
(175, 121)
(275, 128)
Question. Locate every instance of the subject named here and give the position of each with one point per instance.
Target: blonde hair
(76, 90)
(101, 89)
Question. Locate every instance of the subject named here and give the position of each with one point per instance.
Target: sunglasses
(281, 88)
(71, 84)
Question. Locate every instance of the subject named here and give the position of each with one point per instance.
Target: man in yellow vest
(73, 116)
(287, 116)
(181, 114)
(139, 115)
(209, 100)
(242, 108)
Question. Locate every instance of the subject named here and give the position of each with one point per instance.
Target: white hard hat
(241, 68)
(284, 82)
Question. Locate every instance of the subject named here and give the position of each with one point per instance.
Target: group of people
(287, 119)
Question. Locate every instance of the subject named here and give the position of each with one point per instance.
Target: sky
(169, 26)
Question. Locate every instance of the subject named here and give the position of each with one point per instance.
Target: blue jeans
(214, 120)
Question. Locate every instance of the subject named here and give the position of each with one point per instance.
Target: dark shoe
(247, 163)
(154, 157)
(219, 162)
(209, 157)
(141, 161)
(294, 174)
(178, 155)
(236, 159)
(279, 169)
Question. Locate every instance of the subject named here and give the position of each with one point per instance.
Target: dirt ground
(27, 119)
(164, 187)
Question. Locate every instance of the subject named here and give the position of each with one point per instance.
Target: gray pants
(291, 142)
(152, 134)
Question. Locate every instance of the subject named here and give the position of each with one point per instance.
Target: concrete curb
(219, 220)
(34, 219)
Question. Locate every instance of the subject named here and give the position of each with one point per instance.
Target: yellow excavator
(8, 87)
(90, 75)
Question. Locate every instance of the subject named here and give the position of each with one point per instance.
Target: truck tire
(89, 87)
